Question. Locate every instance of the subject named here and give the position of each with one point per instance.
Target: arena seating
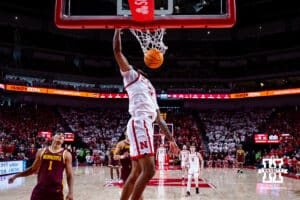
(19, 127)
(98, 130)
(226, 130)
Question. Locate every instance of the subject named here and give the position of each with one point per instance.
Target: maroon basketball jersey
(51, 169)
(240, 155)
(126, 163)
(113, 162)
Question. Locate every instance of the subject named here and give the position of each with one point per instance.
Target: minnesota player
(183, 156)
(194, 161)
(50, 163)
(113, 164)
(240, 159)
(161, 156)
(144, 110)
(122, 154)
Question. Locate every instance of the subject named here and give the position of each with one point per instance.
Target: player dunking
(144, 111)
(160, 156)
(194, 161)
(183, 156)
(50, 163)
(122, 154)
(240, 159)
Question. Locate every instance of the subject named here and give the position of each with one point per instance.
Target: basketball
(153, 58)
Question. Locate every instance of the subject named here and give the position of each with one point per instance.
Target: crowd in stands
(19, 127)
(286, 122)
(186, 130)
(227, 130)
(99, 130)
(96, 131)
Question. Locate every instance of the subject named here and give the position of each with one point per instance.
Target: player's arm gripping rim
(119, 56)
(30, 170)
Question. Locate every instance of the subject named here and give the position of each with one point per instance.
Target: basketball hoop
(150, 38)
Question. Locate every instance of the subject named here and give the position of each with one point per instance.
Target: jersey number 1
(50, 165)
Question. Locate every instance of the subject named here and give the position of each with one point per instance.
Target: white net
(149, 39)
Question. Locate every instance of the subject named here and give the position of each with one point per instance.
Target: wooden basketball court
(92, 183)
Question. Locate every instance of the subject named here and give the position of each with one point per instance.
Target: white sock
(196, 175)
(189, 183)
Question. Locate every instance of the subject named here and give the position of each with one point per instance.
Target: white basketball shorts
(193, 170)
(183, 164)
(140, 135)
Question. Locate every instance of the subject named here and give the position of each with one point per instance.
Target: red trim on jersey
(135, 138)
(148, 136)
(141, 156)
(132, 82)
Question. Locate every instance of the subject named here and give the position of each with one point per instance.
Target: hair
(58, 132)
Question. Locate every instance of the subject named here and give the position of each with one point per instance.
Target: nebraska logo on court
(272, 170)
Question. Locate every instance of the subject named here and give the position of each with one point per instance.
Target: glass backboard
(110, 14)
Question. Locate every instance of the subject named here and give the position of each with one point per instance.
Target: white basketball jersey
(161, 152)
(184, 155)
(194, 160)
(141, 93)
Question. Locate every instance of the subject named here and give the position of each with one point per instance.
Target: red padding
(142, 10)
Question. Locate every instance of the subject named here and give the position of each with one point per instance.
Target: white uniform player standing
(161, 155)
(184, 154)
(194, 161)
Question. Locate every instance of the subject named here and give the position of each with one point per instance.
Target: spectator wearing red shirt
(285, 160)
(280, 153)
(1, 147)
(294, 162)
